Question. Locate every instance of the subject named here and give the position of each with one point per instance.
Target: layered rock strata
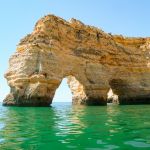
(92, 60)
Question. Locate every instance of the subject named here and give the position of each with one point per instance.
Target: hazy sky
(18, 17)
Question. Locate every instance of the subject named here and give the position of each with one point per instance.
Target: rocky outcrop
(92, 60)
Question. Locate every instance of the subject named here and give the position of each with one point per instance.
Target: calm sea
(63, 127)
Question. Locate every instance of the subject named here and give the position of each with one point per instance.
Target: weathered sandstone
(92, 60)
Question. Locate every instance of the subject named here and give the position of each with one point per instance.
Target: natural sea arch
(93, 61)
(76, 89)
(63, 93)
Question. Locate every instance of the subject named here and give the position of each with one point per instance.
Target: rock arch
(96, 61)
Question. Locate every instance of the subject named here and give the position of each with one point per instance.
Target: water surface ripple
(64, 126)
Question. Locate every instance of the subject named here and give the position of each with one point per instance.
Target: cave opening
(112, 98)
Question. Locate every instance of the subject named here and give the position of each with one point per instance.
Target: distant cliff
(92, 60)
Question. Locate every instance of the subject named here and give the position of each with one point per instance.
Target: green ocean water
(63, 127)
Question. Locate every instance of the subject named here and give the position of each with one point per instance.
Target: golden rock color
(92, 60)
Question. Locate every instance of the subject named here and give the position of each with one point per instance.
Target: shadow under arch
(128, 93)
(118, 87)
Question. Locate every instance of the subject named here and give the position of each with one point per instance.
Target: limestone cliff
(92, 60)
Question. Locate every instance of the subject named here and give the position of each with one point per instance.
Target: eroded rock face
(93, 61)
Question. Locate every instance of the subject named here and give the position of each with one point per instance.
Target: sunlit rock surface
(92, 60)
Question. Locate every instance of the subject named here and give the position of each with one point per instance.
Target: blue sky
(18, 17)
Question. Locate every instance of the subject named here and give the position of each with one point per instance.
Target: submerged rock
(92, 60)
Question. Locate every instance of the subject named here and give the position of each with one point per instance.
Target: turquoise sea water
(64, 126)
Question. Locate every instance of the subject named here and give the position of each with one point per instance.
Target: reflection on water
(75, 127)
